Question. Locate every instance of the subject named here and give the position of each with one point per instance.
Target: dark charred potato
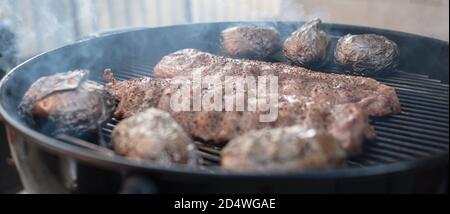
(152, 135)
(250, 42)
(283, 149)
(308, 46)
(367, 54)
(67, 103)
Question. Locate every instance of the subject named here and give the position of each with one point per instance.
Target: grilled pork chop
(337, 104)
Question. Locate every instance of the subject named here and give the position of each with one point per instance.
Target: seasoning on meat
(367, 54)
(333, 103)
(250, 41)
(294, 148)
(152, 135)
(67, 103)
(139, 93)
(308, 46)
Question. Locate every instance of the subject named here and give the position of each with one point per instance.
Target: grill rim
(117, 162)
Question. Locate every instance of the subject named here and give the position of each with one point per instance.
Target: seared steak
(282, 149)
(377, 99)
(135, 95)
(337, 104)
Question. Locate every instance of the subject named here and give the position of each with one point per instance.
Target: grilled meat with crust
(292, 148)
(337, 104)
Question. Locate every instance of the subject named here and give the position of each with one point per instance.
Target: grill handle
(133, 184)
(138, 184)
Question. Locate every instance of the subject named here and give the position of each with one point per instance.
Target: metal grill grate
(419, 131)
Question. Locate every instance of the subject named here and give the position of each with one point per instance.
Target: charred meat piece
(367, 54)
(376, 98)
(308, 46)
(67, 103)
(333, 103)
(152, 135)
(142, 92)
(250, 41)
(283, 149)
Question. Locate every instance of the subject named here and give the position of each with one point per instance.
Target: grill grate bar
(422, 126)
(412, 79)
(419, 120)
(407, 139)
(441, 114)
(439, 93)
(406, 151)
(419, 79)
(413, 76)
(207, 148)
(146, 67)
(424, 105)
(209, 157)
(427, 117)
(140, 73)
(415, 83)
(107, 130)
(126, 76)
(406, 74)
(411, 133)
(414, 147)
(418, 91)
(397, 77)
(380, 124)
(388, 152)
(410, 95)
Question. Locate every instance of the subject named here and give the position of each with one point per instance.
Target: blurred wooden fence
(45, 24)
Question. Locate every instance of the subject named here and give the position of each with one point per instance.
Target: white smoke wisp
(39, 26)
(296, 10)
(5, 10)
